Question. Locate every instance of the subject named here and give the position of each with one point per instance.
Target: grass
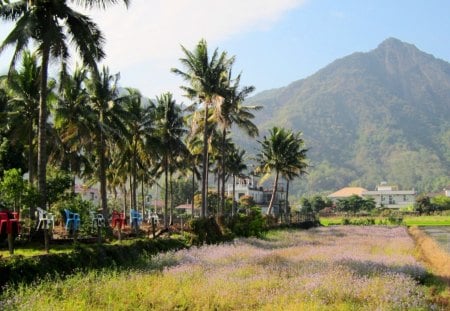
(434, 220)
(33, 249)
(328, 268)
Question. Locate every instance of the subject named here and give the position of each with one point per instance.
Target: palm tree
(234, 165)
(206, 77)
(107, 118)
(283, 153)
(72, 123)
(169, 130)
(232, 111)
(49, 24)
(23, 90)
(140, 128)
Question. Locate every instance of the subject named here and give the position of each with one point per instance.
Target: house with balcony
(248, 186)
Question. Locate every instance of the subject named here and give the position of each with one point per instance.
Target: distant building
(87, 193)
(447, 191)
(385, 195)
(346, 193)
(248, 186)
(390, 197)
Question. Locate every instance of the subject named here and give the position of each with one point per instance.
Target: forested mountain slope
(378, 116)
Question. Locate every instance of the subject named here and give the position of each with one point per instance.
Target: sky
(275, 42)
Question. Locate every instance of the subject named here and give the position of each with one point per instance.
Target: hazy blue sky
(275, 41)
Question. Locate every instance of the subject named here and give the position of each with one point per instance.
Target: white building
(390, 197)
(247, 186)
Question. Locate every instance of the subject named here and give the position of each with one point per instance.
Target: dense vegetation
(369, 117)
(82, 123)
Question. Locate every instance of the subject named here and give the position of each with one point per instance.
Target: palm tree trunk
(233, 209)
(222, 193)
(42, 143)
(171, 199)
(134, 178)
(31, 164)
(166, 196)
(205, 165)
(286, 205)
(102, 173)
(193, 191)
(274, 192)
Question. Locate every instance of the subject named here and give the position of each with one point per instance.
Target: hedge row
(19, 269)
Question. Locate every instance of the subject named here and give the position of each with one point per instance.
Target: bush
(207, 230)
(246, 225)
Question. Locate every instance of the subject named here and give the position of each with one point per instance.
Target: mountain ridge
(365, 115)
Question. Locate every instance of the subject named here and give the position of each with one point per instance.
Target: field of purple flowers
(332, 268)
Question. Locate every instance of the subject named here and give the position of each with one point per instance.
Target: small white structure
(447, 191)
(390, 197)
(247, 186)
(88, 193)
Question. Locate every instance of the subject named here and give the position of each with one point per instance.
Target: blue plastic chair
(72, 220)
(135, 218)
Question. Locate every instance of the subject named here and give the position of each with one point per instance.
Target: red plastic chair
(9, 223)
(118, 219)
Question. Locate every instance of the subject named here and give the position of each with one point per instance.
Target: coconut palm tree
(140, 127)
(206, 77)
(169, 130)
(23, 90)
(234, 165)
(107, 122)
(282, 151)
(233, 111)
(72, 123)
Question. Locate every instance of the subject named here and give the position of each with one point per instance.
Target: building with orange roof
(347, 192)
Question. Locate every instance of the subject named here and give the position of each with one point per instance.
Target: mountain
(383, 115)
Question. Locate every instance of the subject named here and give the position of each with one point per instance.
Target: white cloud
(155, 29)
(148, 35)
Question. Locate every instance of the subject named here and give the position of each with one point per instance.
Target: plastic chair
(72, 220)
(135, 218)
(45, 219)
(97, 219)
(118, 219)
(155, 218)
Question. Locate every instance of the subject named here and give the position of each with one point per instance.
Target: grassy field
(408, 220)
(328, 268)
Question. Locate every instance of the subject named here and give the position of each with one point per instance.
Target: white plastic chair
(45, 219)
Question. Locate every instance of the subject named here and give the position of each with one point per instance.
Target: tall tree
(169, 129)
(281, 152)
(206, 77)
(51, 24)
(23, 90)
(233, 111)
(107, 122)
(140, 128)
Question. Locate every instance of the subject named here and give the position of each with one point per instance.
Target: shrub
(246, 225)
(207, 230)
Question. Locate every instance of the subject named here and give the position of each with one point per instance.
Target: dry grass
(431, 253)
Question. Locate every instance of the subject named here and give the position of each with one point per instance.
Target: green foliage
(19, 269)
(441, 202)
(207, 230)
(424, 205)
(354, 204)
(58, 182)
(75, 204)
(250, 224)
(11, 155)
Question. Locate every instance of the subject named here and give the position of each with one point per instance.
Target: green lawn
(427, 220)
(433, 220)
